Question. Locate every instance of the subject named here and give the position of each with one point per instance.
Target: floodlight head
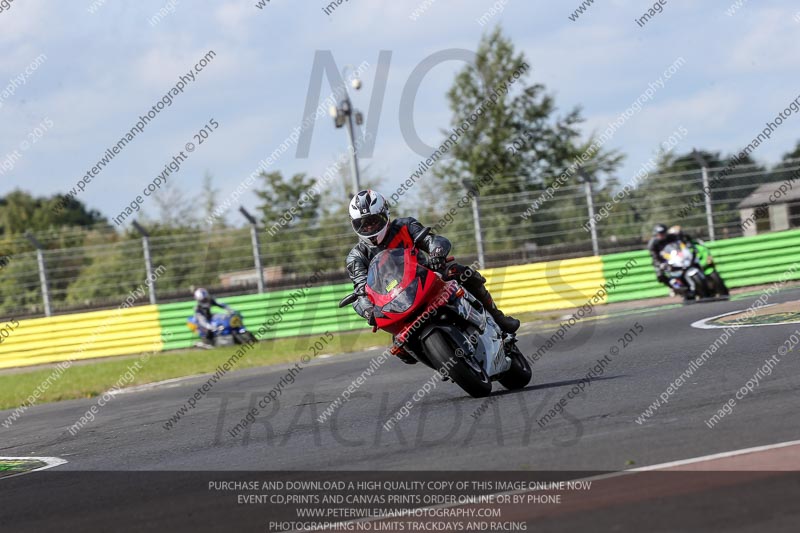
(356, 84)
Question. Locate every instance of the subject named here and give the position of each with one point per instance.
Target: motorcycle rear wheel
(441, 354)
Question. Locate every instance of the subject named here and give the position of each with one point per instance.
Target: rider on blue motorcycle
(369, 216)
(202, 313)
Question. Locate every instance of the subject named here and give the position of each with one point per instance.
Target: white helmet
(369, 215)
(202, 296)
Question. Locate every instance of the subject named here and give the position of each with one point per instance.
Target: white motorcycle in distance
(691, 272)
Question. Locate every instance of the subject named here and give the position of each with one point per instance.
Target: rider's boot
(475, 283)
(507, 323)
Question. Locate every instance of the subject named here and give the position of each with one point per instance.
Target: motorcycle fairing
(413, 287)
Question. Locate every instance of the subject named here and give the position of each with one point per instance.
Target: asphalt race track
(447, 430)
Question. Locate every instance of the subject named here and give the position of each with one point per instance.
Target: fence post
(590, 205)
(706, 192)
(42, 273)
(476, 217)
(256, 248)
(148, 264)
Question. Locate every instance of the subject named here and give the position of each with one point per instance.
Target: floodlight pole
(343, 114)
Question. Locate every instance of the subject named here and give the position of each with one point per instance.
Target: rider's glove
(220, 328)
(437, 259)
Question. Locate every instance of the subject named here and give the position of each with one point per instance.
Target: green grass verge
(91, 378)
(88, 379)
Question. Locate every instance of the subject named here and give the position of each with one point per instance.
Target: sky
(102, 64)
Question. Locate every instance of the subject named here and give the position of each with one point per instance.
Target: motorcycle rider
(369, 217)
(202, 313)
(661, 238)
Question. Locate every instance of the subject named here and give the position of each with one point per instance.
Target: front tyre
(519, 375)
(472, 379)
(244, 338)
(700, 286)
(719, 286)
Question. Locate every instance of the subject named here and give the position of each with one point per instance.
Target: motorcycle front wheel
(244, 338)
(719, 286)
(700, 286)
(519, 375)
(471, 378)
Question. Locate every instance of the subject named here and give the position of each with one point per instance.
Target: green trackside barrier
(314, 313)
(741, 261)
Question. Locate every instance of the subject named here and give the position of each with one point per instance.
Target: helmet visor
(370, 225)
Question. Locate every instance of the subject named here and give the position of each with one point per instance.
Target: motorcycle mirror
(424, 233)
(350, 298)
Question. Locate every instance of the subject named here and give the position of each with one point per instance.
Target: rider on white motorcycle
(661, 238)
(369, 216)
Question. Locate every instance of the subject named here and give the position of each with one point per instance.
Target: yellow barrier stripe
(83, 336)
(60, 357)
(87, 321)
(523, 288)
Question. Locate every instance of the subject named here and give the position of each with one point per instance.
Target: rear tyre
(519, 375)
(473, 380)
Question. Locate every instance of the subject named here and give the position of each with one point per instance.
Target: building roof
(761, 196)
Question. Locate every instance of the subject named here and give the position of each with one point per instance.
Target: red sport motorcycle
(441, 324)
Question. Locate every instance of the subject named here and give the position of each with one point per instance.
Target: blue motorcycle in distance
(228, 329)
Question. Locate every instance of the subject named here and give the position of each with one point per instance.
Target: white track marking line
(599, 477)
(148, 386)
(702, 324)
(50, 462)
(715, 456)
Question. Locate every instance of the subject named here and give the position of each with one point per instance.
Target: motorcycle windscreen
(389, 274)
(394, 280)
(677, 255)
